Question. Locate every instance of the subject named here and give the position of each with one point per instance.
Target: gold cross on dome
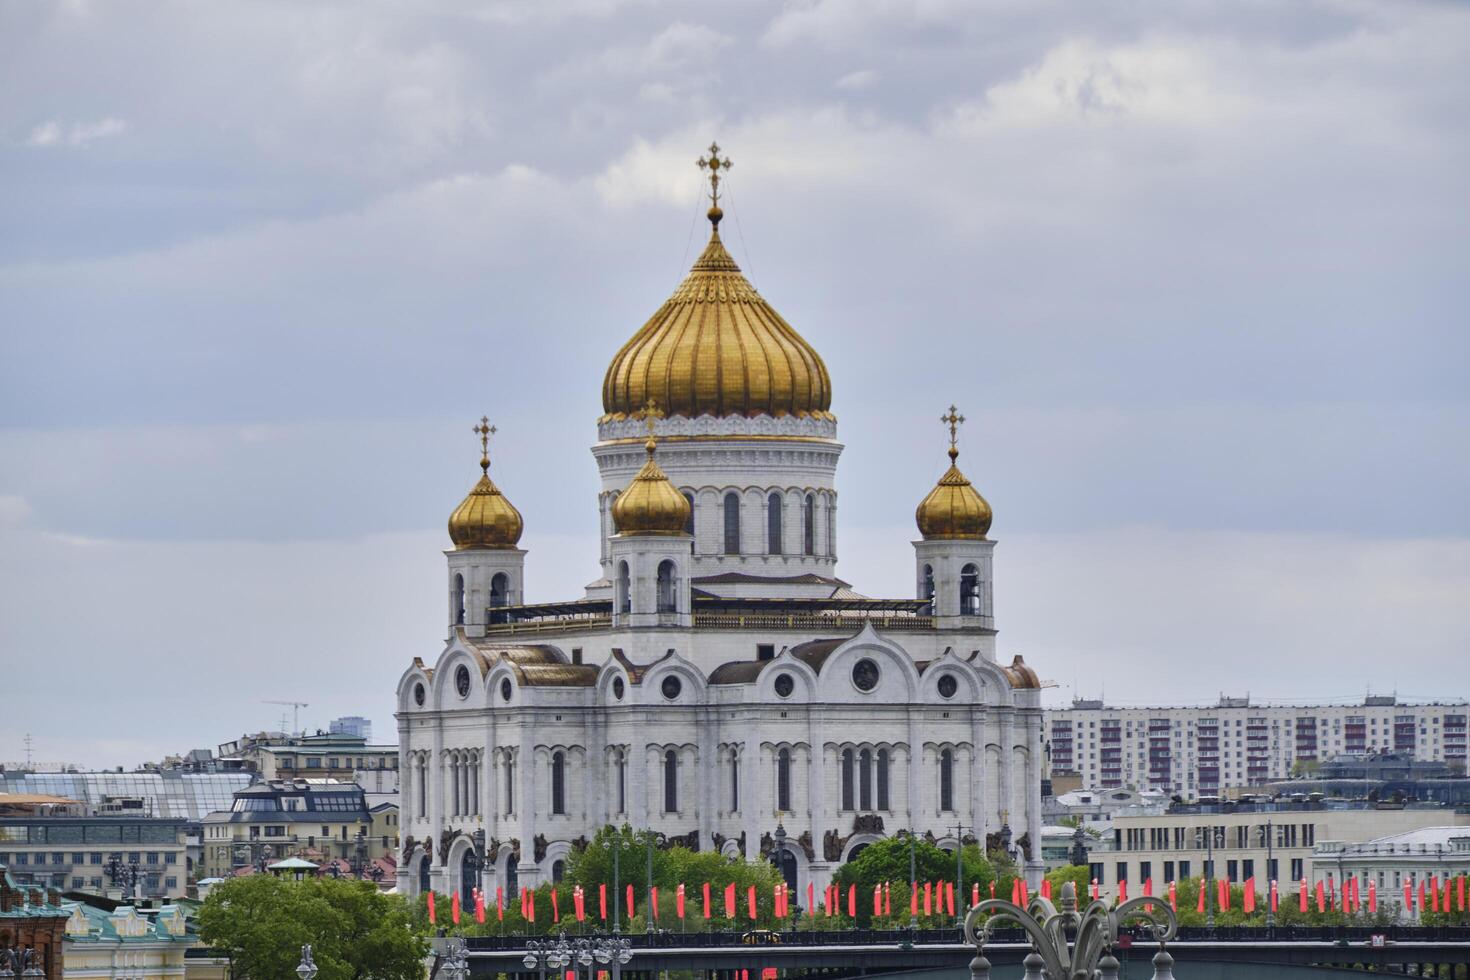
(954, 420)
(484, 430)
(714, 165)
(651, 414)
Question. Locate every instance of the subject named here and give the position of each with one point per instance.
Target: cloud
(53, 132)
(13, 510)
(855, 80)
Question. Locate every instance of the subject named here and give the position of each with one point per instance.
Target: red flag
(1148, 887)
(630, 901)
(1408, 897)
(1372, 897)
(1275, 901)
(1122, 890)
(1460, 893)
(579, 898)
(914, 898)
(431, 907)
(602, 901)
(499, 904)
(454, 908)
(811, 898)
(533, 906)
(679, 901)
(1015, 891)
(730, 900)
(525, 904)
(949, 895)
(975, 895)
(1225, 894)
(887, 898)
(1094, 889)
(555, 909)
(852, 901)
(928, 898)
(1046, 888)
(750, 901)
(1433, 895)
(1174, 896)
(1249, 898)
(653, 902)
(877, 899)
(1321, 897)
(1201, 895)
(706, 900)
(1301, 893)
(479, 906)
(1025, 893)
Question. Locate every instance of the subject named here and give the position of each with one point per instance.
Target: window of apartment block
(1296, 869)
(1122, 871)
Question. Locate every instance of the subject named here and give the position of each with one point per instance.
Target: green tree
(356, 932)
(887, 862)
(1079, 875)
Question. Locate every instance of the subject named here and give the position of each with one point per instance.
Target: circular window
(948, 685)
(865, 674)
(418, 695)
(462, 680)
(785, 685)
(505, 689)
(671, 687)
(618, 688)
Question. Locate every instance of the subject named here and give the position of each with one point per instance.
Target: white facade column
(526, 806)
(1036, 868)
(819, 817)
(438, 868)
(916, 762)
(980, 806)
(1008, 757)
(753, 791)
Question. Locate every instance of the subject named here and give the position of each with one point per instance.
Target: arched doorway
(423, 874)
(785, 862)
(467, 879)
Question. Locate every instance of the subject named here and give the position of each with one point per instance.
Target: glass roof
(186, 795)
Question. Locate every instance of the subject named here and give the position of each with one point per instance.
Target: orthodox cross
(954, 420)
(651, 414)
(484, 430)
(714, 165)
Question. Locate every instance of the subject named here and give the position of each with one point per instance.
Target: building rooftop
(163, 794)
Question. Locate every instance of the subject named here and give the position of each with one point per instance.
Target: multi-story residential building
(46, 844)
(1197, 751)
(1263, 839)
(1413, 857)
(319, 820)
(320, 756)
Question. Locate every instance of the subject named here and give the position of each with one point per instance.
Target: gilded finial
(650, 414)
(484, 430)
(714, 165)
(954, 420)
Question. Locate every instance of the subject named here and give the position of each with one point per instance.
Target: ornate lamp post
(1079, 844)
(1095, 931)
(306, 969)
(126, 875)
(1210, 872)
(609, 950)
(556, 954)
(455, 959)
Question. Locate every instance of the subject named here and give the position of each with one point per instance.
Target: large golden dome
(651, 505)
(953, 510)
(717, 348)
(485, 519)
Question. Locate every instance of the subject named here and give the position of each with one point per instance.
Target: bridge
(1199, 954)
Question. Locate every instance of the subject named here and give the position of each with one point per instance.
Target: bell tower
(486, 569)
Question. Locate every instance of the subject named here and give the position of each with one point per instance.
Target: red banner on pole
(679, 901)
(750, 902)
(706, 900)
(730, 900)
(928, 898)
(1275, 902)
(499, 904)
(555, 908)
(602, 901)
(454, 908)
(1202, 898)
(1248, 900)
(653, 902)
(1174, 896)
(430, 896)
(630, 902)
(852, 901)
(479, 906)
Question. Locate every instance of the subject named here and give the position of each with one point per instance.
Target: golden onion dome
(1021, 676)
(485, 519)
(953, 510)
(650, 505)
(716, 347)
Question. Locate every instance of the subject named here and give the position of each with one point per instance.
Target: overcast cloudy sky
(1195, 272)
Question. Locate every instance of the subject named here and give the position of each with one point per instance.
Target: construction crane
(296, 707)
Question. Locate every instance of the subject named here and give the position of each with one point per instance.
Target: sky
(1194, 272)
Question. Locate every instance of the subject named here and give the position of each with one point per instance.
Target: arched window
(847, 779)
(468, 878)
(809, 525)
(783, 780)
(667, 600)
(558, 782)
(622, 768)
(424, 873)
(734, 780)
(773, 524)
(453, 768)
(865, 779)
(624, 588)
(512, 876)
(423, 767)
(500, 589)
(946, 780)
(926, 590)
(969, 591)
(831, 527)
(510, 787)
(558, 871)
(883, 779)
(671, 781)
(459, 600)
(732, 523)
(689, 524)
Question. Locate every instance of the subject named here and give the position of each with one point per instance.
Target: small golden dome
(716, 347)
(651, 505)
(1021, 676)
(485, 519)
(954, 510)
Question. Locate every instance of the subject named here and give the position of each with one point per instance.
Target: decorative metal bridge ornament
(1093, 933)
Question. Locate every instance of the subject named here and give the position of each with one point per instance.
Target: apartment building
(324, 755)
(1260, 839)
(50, 844)
(319, 820)
(1196, 751)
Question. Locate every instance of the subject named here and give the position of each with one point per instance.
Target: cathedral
(717, 683)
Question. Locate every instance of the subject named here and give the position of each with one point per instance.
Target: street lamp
(306, 969)
(456, 959)
(1210, 872)
(556, 954)
(610, 950)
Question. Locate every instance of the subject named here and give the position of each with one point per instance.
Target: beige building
(124, 944)
(1180, 843)
(318, 820)
(321, 756)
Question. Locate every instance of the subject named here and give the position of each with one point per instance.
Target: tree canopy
(356, 932)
